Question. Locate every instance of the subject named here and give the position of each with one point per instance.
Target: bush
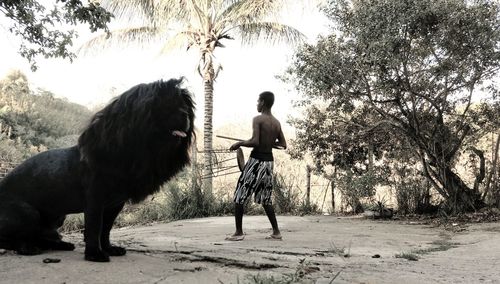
(307, 209)
(286, 199)
(356, 188)
(194, 203)
(412, 196)
(73, 223)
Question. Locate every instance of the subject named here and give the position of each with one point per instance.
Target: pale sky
(92, 80)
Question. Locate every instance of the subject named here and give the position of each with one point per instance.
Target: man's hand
(235, 146)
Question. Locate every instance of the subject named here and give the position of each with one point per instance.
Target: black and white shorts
(257, 179)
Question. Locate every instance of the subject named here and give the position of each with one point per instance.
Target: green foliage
(271, 279)
(412, 195)
(439, 245)
(355, 189)
(407, 255)
(40, 29)
(187, 200)
(11, 151)
(401, 77)
(301, 271)
(307, 209)
(33, 121)
(286, 199)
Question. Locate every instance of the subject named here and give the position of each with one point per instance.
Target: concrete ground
(314, 249)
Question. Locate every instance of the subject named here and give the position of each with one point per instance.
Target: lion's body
(125, 154)
(51, 177)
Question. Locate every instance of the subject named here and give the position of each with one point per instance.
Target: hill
(32, 121)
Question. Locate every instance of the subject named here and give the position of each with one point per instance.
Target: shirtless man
(257, 176)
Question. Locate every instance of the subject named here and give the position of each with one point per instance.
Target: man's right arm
(281, 143)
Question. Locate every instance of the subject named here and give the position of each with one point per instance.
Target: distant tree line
(35, 120)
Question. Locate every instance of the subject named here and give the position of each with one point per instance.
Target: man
(257, 176)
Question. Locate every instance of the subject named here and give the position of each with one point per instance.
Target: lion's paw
(63, 246)
(28, 249)
(115, 251)
(97, 256)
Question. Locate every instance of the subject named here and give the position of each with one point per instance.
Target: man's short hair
(268, 98)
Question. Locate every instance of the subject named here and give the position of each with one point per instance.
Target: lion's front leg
(109, 217)
(93, 215)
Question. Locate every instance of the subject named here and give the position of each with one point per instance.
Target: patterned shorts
(257, 179)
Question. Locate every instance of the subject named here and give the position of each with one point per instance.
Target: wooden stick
(229, 138)
(237, 139)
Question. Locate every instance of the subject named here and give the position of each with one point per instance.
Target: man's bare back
(269, 133)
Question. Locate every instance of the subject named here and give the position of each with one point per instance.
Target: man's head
(266, 101)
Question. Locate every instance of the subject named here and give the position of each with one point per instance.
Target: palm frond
(177, 41)
(268, 32)
(247, 11)
(152, 12)
(199, 13)
(168, 11)
(122, 37)
(131, 10)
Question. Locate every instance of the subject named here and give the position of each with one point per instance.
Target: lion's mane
(129, 144)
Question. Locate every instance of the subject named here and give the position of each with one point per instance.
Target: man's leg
(272, 218)
(238, 216)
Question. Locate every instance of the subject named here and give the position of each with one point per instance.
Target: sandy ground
(315, 249)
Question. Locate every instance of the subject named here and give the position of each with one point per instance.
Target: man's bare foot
(274, 237)
(235, 238)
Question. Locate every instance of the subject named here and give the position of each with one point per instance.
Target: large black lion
(130, 148)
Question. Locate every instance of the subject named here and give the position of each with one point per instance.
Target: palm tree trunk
(207, 135)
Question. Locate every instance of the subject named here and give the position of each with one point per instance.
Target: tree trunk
(493, 171)
(332, 181)
(461, 197)
(207, 135)
(458, 196)
(196, 179)
(308, 187)
(370, 159)
(482, 168)
(332, 184)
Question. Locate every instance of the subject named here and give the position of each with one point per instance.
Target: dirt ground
(315, 249)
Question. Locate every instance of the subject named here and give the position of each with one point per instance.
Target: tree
(40, 29)
(419, 68)
(32, 121)
(204, 25)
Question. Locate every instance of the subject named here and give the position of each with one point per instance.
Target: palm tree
(204, 25)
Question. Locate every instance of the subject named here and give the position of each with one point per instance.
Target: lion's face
(174, 115)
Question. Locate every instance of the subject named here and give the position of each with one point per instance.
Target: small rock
(51, 260)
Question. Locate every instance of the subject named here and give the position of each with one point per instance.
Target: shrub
(286, 199)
